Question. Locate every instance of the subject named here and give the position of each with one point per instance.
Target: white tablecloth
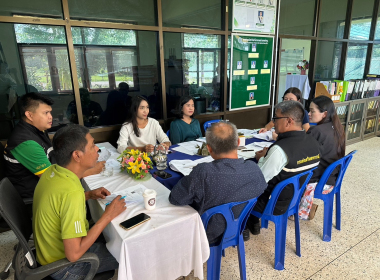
(166, 247)
(301, 82)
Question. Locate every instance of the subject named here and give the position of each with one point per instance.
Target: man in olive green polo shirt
(59, 213)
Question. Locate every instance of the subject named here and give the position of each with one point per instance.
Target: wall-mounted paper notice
(253, 102)
(265, 71)
(253, 72)
(239, 72)
(253, 55)
(252, 87)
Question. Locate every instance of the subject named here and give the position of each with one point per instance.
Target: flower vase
(303, 71)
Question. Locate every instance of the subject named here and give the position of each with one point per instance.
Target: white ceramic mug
(242, 141)
(150, 199)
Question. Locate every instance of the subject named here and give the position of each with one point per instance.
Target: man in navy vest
(294, 152)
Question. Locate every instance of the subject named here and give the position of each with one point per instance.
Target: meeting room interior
(210, 139)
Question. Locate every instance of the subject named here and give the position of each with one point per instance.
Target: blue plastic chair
(168, 133)
(281, 221)
(328, 199)
(208, 124)
(231, 237)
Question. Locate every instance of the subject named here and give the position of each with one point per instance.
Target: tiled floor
(353, 253)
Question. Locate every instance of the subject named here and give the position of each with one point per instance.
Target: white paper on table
(180, 166)
(202, 139)
(248, 133)
(131, 195)
(267, 136)
(185, 151)
(263, 144)
(249, 154)
(114, 164)
(104, 154)
(186, 166)
(246, 155)
(189, 148)
(189, 145)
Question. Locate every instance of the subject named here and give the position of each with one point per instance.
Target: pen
(108, 203)
(247, 150)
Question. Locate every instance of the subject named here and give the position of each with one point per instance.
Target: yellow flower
(145, 157)
(131, 152)
(134, 167)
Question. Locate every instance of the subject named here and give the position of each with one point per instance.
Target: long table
(170, 245)
(174, 155)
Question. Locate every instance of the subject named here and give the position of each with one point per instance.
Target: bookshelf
(360, 118)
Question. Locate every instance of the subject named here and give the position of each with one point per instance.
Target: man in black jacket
(28, 152)
(293, 153)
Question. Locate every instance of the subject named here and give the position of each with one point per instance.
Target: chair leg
(298, 234)
(280, 243)
(327, 219)
(5, 273)
(264, 223)
(214, 262)
(337, 210)
(241, 256)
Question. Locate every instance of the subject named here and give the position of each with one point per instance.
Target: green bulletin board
(251, 71)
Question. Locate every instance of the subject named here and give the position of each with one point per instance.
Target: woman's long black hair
(325, 104)
(132, 114)
(183, 100)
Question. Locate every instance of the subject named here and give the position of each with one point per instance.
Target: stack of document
(189, 148)
(186, 166)
(248, 133)
(131, 195)
(251, 149)
(267, 136)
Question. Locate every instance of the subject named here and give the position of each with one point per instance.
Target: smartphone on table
(135, 221)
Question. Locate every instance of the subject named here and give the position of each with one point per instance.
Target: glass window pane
(112, 72)
(193, 69)
(377, 30)
(46, 8)
(102, 36)
(40, 34)
(40, 67)
(195, 14)
(297, 17)
(332, 18)
(355, 62)
(328, 60)
(292, 52)
(141, 12)
(361, 19)
(375, 60)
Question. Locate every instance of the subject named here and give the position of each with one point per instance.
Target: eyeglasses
(276, 118)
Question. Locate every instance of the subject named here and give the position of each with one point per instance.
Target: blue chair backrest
(168, 133)
(343, 163)
(234, 225)
(295, 181)
(208, 123)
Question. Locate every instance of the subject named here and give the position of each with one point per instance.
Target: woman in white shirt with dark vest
(139, 131)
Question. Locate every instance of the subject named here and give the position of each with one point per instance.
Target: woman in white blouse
(139, 131)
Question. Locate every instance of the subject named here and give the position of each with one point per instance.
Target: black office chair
(12, 208)
(3, 224)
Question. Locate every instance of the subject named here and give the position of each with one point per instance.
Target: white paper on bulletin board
(257, 16)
